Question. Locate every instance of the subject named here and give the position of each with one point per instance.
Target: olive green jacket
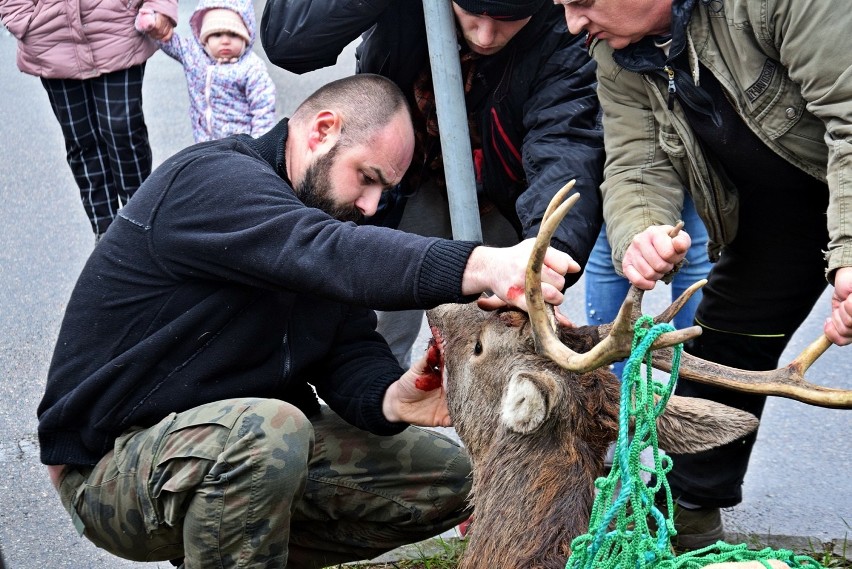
(787, 68)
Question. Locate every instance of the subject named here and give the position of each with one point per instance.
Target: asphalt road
(800, 483)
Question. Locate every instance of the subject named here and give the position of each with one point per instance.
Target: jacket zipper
(285, 364)
(672, 88)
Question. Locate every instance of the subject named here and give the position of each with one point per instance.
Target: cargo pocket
(112, 513)
(187, 451)
(672, 144)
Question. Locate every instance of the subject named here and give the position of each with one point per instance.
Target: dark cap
(502, 9)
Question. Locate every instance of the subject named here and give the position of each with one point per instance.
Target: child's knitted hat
(218, 20)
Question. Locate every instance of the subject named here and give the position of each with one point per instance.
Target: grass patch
(445, 554)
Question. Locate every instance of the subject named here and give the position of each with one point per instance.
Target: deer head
(537, 407)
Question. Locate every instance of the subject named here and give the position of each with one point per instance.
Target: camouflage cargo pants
(254, 483)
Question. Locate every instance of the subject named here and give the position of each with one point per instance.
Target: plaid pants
(253, 483)
(106, 139)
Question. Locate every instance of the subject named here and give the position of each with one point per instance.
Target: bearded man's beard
(315, 189)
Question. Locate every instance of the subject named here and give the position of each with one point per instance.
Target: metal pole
(452, 119)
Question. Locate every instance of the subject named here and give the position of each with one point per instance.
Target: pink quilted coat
(79, 39)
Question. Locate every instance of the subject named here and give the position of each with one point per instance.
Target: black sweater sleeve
(226, 217)
(304, 35)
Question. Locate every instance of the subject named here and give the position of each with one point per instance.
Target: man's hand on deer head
(838, 326)
(502, 271)
(652, 254)
(418, 397)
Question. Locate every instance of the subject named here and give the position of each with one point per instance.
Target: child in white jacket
(230, 90)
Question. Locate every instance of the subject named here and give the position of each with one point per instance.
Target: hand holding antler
(653, 254)
(838, 327)
(615, 344)
(503, 270)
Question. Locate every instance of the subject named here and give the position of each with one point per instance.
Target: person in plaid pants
(92, 69)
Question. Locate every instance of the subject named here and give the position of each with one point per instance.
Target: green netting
(620, 535)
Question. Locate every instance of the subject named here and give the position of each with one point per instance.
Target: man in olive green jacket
(746, 105)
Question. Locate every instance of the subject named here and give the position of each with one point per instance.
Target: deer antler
(617, 336)
(788, 381)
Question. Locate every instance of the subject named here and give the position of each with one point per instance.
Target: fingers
(503, 270)
(838, 327)
(652, 254)
(554, 278)
(420, 365)
(556, 264)
(551, 295)
(563, 320)
(635, 269)
(163, 28)
(490, 303)
(560, 262)
(554, 268)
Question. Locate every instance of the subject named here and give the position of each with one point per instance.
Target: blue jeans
(605, 289)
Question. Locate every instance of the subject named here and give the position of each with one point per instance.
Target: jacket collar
(270, 147)
(644, 55)
(683, 80)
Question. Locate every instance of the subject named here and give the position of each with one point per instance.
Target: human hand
(503, 272)
(654, 253)
(418, 397)
(145, 21)
(156, 25)
(838, 326)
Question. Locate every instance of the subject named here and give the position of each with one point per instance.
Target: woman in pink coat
(91, 62)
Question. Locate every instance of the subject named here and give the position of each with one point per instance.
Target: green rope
(620, 536)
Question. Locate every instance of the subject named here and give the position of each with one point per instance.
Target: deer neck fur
(538, 499)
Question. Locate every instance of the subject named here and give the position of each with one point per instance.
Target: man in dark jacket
(180, 418)
(531, 105)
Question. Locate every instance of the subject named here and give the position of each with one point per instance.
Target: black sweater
(215, 282)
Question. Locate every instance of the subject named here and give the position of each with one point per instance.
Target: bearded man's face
(347, 181)
(316, 189)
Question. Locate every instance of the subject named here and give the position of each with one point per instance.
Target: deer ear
(689, 425)
(527, 402)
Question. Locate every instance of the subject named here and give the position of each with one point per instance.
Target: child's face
(225, 45)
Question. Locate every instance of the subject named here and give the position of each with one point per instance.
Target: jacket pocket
(672, 144)
(715, 197)
(775, 102)
(717, 203)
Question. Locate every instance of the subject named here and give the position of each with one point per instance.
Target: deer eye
(477, 349)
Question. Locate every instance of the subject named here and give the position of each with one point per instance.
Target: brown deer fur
(537, 435)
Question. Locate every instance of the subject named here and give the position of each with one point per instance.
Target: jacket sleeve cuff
(372, 407)
(442, 273)
(166, 7)
(837, 259)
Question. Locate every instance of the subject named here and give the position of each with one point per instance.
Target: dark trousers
(763, 287)
(106, 140)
